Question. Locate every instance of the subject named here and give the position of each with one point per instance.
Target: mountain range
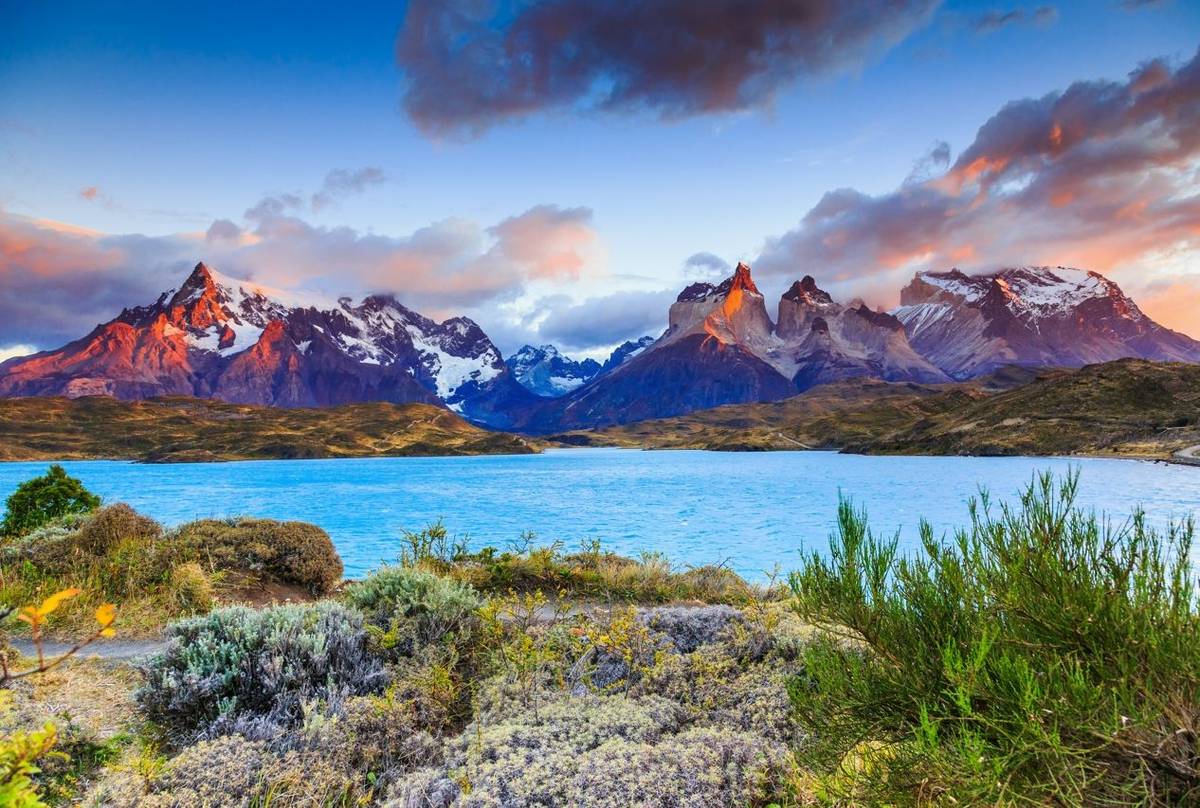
(548, 373)
(222, 338)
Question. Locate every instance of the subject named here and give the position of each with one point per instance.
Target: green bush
(256, 672)
(107, 527)
(43, 499)
(434, 604)
(1040, 656)
(289, 552)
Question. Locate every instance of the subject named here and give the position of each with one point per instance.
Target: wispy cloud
(341, 183)
(995, 20)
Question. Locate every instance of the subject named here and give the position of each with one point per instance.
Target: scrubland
(1037, 656)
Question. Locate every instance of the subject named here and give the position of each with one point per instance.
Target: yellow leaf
(50, 604)
(29, 615)
(106, 614)
(108, 632)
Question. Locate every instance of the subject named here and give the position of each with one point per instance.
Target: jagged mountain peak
(1030, 315)
(806, 291)
(545, 371)
(740, 280)
(242, 342)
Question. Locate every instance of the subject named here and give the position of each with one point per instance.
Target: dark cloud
(1101, 175)
(603, 321)
(471, 64)
(992, 21)
(705, 266)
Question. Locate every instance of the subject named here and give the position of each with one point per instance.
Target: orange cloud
(1175, 306)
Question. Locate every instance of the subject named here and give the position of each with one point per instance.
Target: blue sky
(181, 114)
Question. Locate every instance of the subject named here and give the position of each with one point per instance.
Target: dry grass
(193, 430)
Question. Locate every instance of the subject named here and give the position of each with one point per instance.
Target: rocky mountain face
(221, 338)
(1035, 316)
(546, 372)
(217, 337)
(626, 351)
(721, 347)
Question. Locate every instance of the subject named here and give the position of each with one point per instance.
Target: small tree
(42, 499)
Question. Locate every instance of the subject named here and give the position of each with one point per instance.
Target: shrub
(689, 627)
(255, 672)
(700, 768)
(529, 757)
(1039, 656)
(43, 499)
(289, 552)
(596, 752)
(104, 529)
(345, 760)
(436, 605)
(19, 754)
(191, 588)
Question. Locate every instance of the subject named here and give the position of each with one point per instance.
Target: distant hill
(189, 429)
(1129, 407)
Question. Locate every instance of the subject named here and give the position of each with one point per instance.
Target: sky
(558, 169)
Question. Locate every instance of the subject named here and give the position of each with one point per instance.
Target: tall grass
(1040, 656)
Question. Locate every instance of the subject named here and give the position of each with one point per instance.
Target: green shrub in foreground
(1040, 656)
(44, 499)
(256, 672)
(436, 605)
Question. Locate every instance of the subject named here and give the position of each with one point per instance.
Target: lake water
(751, 509)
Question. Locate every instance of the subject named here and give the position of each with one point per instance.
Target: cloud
(341, 183)
(705, 266)
(1102, 175)
(91, 193)
(9, 351)
(933, 162)
(553, 242)
(338, 184)
(992, 21)
(56, 281)
(600, 322)
(472, 64)
(1138, 5)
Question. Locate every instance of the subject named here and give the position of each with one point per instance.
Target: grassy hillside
(186, 429)
(826, 417)
(1129, 408)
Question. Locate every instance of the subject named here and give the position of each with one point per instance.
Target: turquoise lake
(751, 510)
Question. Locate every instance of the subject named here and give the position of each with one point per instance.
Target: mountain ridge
(241, 342)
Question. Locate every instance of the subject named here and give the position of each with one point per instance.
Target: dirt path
(119, 650)
(1189, 456)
